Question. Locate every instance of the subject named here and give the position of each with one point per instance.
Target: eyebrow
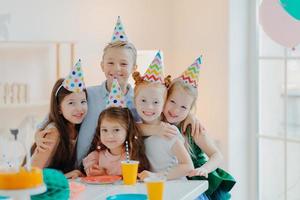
(75, 99)
(112, 127)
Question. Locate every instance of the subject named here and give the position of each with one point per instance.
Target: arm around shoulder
(42, 159)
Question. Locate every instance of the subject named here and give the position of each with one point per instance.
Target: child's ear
(134, 68)
(102, 66)
(59, 110)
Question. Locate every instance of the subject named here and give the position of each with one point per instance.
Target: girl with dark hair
(116, 125)
(68, 107)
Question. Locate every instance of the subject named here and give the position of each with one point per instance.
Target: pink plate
(101, 179)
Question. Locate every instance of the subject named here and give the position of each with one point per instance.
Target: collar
(114, 157)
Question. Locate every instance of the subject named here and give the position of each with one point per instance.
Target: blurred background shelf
(24, 105)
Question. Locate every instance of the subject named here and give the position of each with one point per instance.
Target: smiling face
(113, 134)
(178, 104)
(118, 62)
(149, 101)
(74, 107)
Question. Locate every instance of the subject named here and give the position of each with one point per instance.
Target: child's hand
(196, 128)
(95, 170)
(144, 174)
(167, 130)
(43, 144)
(90, 160)
(201, 171)
(74, 174)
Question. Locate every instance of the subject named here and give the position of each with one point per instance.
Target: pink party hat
(191, 74)
(119, 33)
(154, 73)
(74, 81)
(116, 97)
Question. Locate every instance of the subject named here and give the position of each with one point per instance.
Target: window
(279, 120)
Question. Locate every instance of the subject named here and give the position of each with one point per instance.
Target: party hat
(119, 33)
(116, 97)
(191, 75)
(154, 73)
(74, 81)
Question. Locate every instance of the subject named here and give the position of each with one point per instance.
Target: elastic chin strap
(58, 89)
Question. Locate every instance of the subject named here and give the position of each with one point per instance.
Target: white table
(23, 194)
(174, 190)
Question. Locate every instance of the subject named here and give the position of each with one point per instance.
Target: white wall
(90, 24)
(181, 29)
(202, 28)
(243, 98)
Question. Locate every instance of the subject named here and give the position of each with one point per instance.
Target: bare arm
(163, 129)
(42, 143)
(185, 164)
(210, 149)
(196, 126)
(42, 159)
(91, 165)
(74, 174)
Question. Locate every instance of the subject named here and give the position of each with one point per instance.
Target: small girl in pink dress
(116, 125)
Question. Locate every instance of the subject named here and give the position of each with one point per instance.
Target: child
(182, 96)
(118, 61)
(165, 155)
(68, 108)
(115, 126)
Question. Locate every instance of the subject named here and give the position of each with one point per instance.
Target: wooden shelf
(23, 105)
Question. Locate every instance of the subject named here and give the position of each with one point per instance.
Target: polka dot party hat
(191, 74)
(116, 97)
(119, 33)
(154, 73)
(74, 81)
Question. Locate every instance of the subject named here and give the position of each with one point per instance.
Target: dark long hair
(134, 136)
(64, 157)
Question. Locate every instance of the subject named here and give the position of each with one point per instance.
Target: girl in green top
(182, 96)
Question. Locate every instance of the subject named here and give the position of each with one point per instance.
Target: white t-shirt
(159, 153)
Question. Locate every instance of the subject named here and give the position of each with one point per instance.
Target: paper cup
(155, 187)
(129, 171)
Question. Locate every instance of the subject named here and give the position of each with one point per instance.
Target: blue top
(97, 99)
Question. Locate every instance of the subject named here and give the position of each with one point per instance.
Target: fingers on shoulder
(53, 134)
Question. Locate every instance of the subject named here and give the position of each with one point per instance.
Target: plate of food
(101, 179)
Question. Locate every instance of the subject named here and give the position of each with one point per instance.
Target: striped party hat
(191, 75)
(116, 97)
(119, 33)
(74, 81)
(154, 73)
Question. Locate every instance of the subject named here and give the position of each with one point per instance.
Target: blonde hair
(192, 91)
(121, 44)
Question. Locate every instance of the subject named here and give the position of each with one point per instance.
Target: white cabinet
(36, 65)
